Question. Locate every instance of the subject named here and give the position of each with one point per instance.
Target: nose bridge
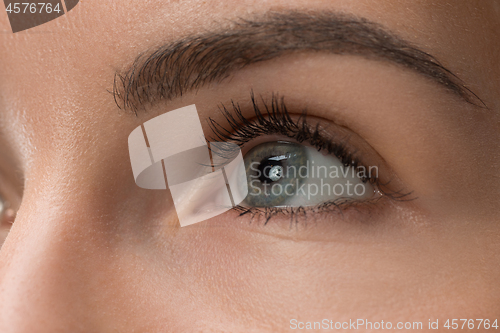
(62, 263)
(56, 245)
(42, 266)
(81, 219)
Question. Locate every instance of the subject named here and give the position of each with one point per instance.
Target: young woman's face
(90, 251)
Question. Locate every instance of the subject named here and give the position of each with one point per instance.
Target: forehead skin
(64, 129)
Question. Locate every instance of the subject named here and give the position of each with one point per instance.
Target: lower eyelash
(337, 206)
(300, 213)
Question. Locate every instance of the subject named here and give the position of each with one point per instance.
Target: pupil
(270, 171)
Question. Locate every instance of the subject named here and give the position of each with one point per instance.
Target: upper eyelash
(277, 120)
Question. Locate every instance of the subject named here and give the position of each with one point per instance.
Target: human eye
(300, 166)
(288, 174)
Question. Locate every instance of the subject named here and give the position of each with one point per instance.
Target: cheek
(236, 272)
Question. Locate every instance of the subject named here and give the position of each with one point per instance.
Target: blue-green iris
(268, 167)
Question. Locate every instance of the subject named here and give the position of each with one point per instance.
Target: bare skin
(91, 252)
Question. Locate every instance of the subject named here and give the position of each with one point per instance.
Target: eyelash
(277, 120)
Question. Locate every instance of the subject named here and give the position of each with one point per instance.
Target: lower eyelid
(336, 206)
(342, 224)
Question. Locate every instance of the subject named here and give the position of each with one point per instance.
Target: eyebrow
(194, 61)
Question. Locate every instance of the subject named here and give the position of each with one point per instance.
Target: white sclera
(318, 188)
